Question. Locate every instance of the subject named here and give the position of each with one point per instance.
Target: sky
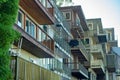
(107, 10)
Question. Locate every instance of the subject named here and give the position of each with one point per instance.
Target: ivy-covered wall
(8, 13)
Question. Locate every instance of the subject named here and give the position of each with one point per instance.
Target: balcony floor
(36, 10)
(77, 51)
(80, 75)
(98, 70)
(32, 45)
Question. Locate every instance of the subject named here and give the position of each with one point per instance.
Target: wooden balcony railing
(25, 70)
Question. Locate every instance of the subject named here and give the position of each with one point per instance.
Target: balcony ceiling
(80, 75)
(33, 46)
(80, 13)
(77, 33)
(37, 11)
(80, 55)
(98, 70)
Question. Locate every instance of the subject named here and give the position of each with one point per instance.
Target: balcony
(97, 50)
(90, 33)
(118, 72)
(26, 70)
(61, 21)
(102, 38)
(59, 67)
(79, 50)
(111, 62)
(43, 49)
(42, 14)
(113, 43)
(77, 31)
(98, 66)
(79, 26)
(81, 16)
(62, 47)
(79, 71)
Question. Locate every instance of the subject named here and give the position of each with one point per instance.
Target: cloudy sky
(107, 10)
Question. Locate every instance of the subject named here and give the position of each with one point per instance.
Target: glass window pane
(19, 22)
(32, 30)
(27, 26)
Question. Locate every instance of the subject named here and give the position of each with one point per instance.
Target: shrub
(8, 13)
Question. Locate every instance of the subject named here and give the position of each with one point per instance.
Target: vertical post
(16, 68)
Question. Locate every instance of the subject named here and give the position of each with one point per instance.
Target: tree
(8, 13)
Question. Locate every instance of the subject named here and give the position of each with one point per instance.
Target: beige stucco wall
(25, 55)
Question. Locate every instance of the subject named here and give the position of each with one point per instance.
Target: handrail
(81, 46)
(98, 63)
(62, 43)
(60, 67)
(60, 17)
(79, 66)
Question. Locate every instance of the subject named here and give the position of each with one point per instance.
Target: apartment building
(97, 40)
(101, 41)
(111, 39)
(58, 44)
(116, 52)
(43, 46)
(46, 49)
(80, 62)
(111, 57)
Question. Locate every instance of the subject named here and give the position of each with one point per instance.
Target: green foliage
(1, 1)
(8, 13)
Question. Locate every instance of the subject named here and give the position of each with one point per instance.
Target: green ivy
(8, 13)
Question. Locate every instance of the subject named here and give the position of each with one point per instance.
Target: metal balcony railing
(77, 25)
(90, 33)
(60, 17)
(62, 43)
(79, 67)
(67, 69)
(60, 67)
(111, 62)
(81, 46)
(97, 64)
(97, 49)
(45, 3)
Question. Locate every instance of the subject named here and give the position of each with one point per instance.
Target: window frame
(31, 26)
(20, 24)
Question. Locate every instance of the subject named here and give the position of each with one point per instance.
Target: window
(39, 34)
(87, 41)
(30, 28)
(51, 32)
(109, 36)
(67, 15)
(43, 36)
(45, 28)
(77, 20)
(20, 19)
(90, 26)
